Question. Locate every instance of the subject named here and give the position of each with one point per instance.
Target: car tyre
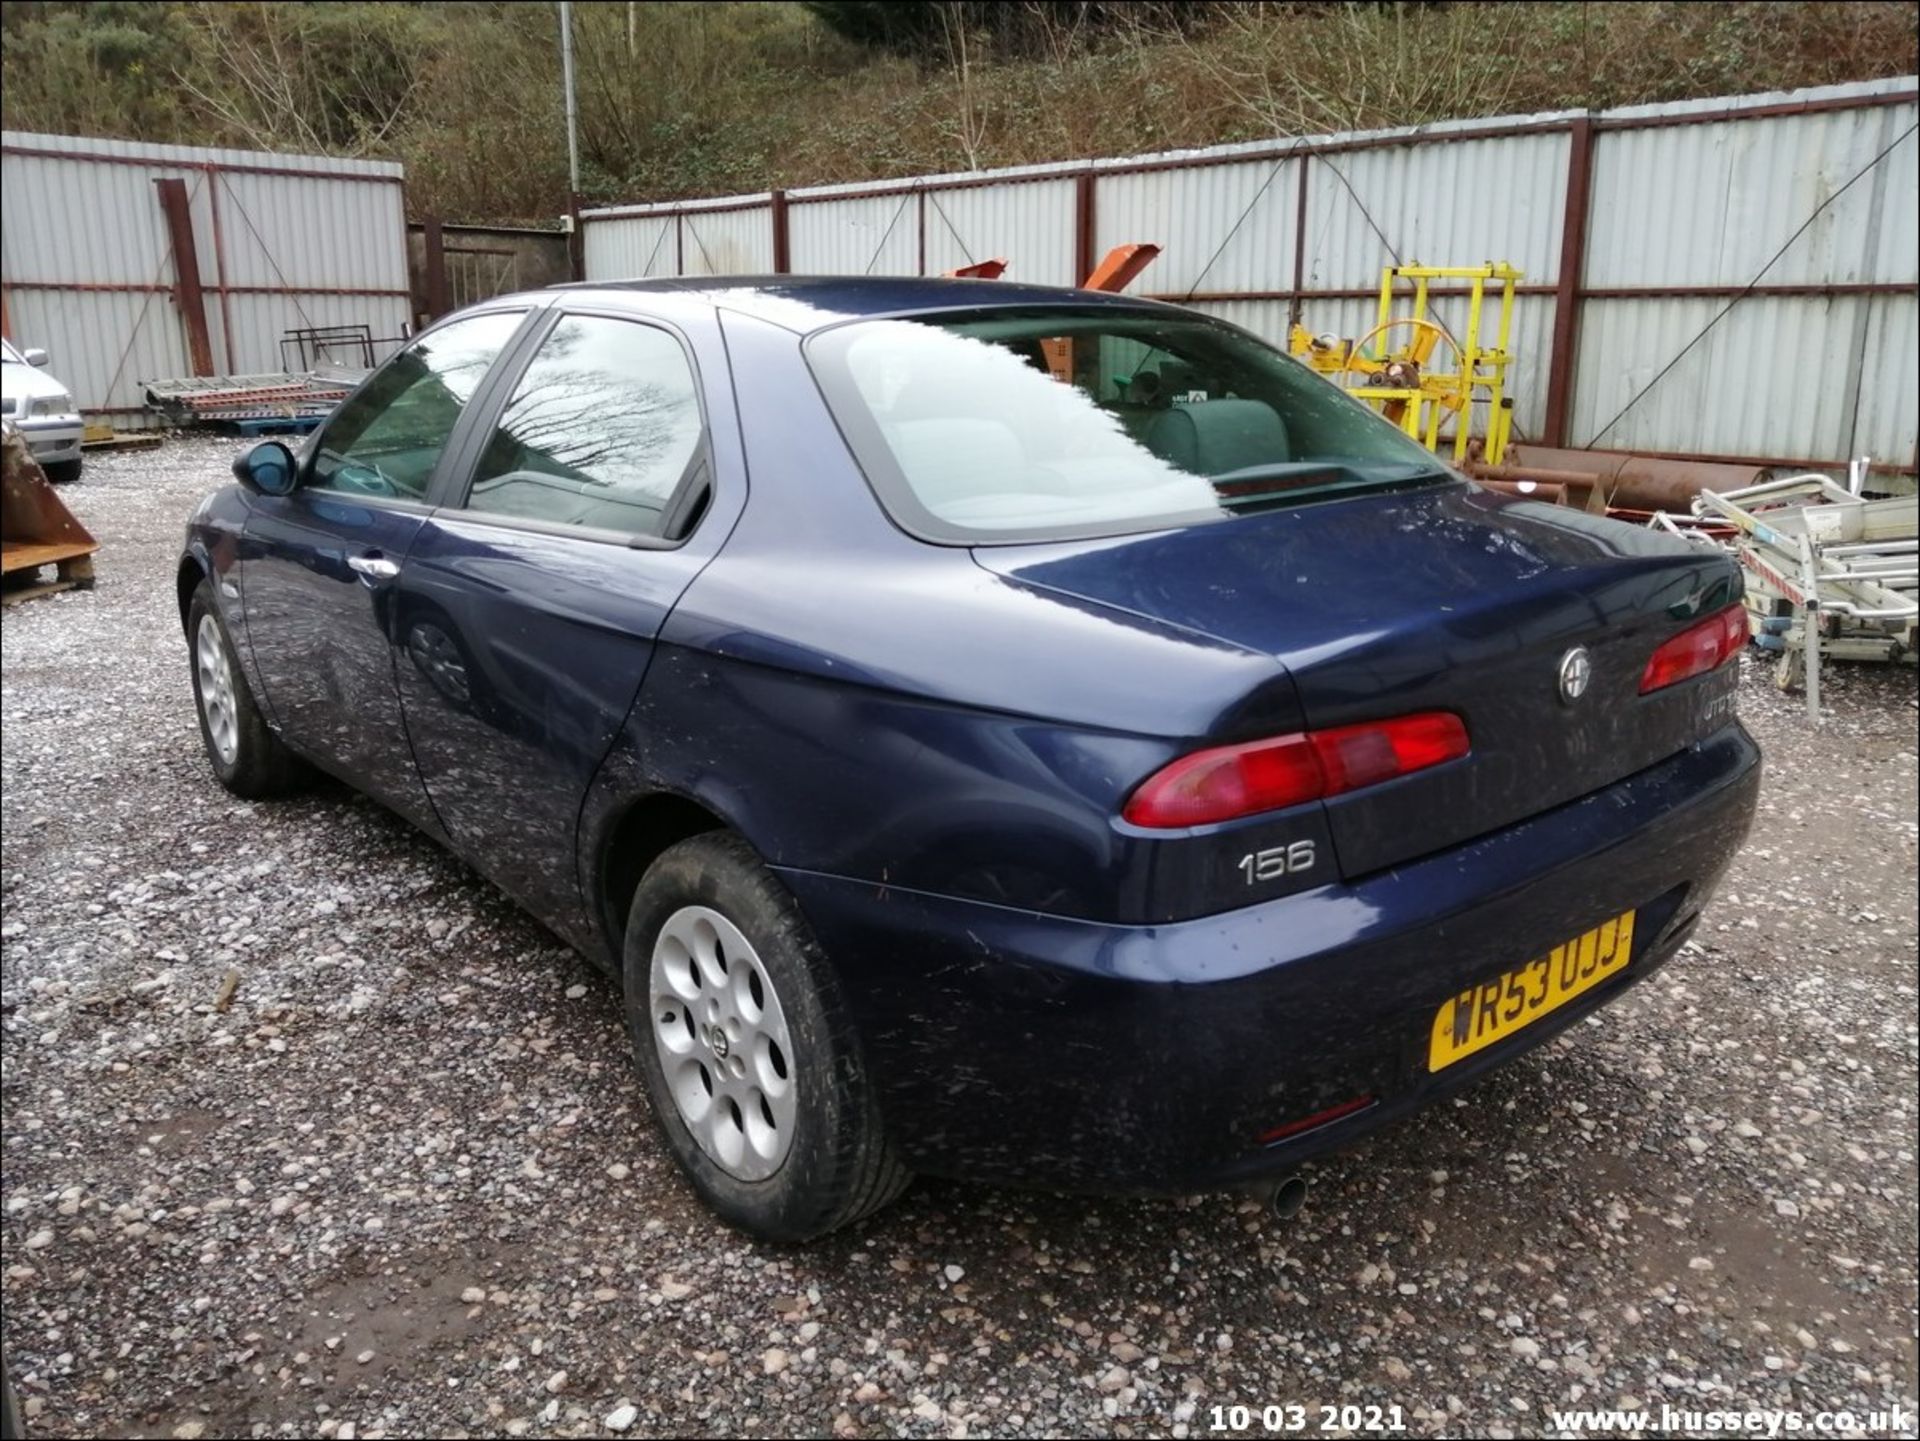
(247, 757)
(62, 472)
(835, 1165)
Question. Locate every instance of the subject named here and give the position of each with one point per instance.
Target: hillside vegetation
(695, 99)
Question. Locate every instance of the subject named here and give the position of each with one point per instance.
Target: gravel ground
(405, 1184)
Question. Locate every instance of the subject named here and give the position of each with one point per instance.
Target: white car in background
(42, 409)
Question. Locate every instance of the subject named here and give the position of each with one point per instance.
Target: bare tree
(968, 128)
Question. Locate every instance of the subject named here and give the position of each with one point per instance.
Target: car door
(317, 565)
(529, 601)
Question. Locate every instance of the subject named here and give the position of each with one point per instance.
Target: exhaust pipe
(1287, 1198)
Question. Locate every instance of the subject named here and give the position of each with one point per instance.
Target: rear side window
(1063, 422)
(599, 431)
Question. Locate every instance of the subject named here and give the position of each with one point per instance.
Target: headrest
(1212, 437)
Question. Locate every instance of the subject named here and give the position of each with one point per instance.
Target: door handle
(374, 566)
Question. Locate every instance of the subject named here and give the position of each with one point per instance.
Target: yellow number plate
(1495, 1009)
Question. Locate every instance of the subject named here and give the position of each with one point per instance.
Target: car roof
(809, 302)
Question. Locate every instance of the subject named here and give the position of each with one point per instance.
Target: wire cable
(950, 230)
(701, 243)
(887, 234)
(261, 240)
(646, 271)
(1227, 239)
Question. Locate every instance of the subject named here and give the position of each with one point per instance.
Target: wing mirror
(35, 356)
(268, 468)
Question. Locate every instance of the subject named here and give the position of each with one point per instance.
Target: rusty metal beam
(433, 264)
(1120, 265)
(1573, 259)
(782, 234)
(187, 295)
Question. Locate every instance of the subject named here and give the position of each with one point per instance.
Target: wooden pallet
(105, 437)
(21, 564)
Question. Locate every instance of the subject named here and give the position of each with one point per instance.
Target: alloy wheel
(723, 1043)
(217, 690)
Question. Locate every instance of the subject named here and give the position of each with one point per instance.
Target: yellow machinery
(1393, 361)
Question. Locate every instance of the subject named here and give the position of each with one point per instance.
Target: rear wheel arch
(647, 828)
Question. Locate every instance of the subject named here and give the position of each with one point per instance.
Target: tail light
(1227, 782)
(1697, 650)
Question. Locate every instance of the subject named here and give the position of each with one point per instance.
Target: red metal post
(782, 238)
(1566, 302)
(1083, 226)
(187, 294)
(434, 262)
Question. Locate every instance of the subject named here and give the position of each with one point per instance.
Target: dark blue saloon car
(1021, 734)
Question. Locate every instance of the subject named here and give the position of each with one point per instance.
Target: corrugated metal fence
(88, 266)
(1635, 228)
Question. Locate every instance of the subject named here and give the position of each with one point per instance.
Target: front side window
(599, 433)
(1081, 421)
(386, 439)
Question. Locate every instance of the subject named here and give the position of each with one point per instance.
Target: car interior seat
(1211, 437)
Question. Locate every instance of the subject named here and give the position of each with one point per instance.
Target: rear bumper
(1015, 1047)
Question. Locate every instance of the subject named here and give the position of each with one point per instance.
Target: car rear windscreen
(1065, 422)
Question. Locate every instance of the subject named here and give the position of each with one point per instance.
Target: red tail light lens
(1697, 650)
(1228, 782)
(1365, 755)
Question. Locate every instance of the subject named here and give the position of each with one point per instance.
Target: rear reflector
(1697, 650)
(1316, 1120)
(1228, 782)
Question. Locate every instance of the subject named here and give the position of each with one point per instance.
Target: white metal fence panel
(869, 235)
(1027, 223)
(282, 242)
(102, 343)
(1220, 228)
(1885, 425)
(1711, 204)
(310, 233)
(630, 247)
(1458, 203)
(1799, 401)
(729, 242)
